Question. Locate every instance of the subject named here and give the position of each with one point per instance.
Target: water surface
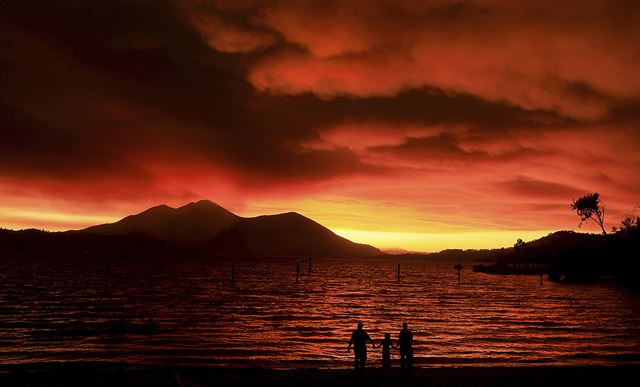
(189, 313)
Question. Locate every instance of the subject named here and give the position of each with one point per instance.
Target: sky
(419, 125)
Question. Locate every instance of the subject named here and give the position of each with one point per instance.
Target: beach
(91, 374)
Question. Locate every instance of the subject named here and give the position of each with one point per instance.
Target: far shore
(109, 374)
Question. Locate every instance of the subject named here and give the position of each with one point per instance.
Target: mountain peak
(291, 215)
(159, 208)
(205, 208)
(192, 223)
(202, 204)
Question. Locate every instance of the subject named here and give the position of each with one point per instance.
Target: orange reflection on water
(191, 314)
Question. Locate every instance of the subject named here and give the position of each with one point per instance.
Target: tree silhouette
(518, 247)
(629, 225)
(588, 207)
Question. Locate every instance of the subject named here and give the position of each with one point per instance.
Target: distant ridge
(214, 230)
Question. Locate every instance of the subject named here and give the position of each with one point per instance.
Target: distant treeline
(32, 242)
(471, 255)
(594, 257)
(458, 255)
(567, 255)
(564, 255)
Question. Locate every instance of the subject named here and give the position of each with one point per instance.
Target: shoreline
(118, 374)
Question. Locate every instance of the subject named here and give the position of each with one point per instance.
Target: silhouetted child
(386, 345)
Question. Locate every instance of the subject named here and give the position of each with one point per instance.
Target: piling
(458, 267)
(297, 271)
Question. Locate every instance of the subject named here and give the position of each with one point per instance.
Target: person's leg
(359, 360)
(402, 360)
(410, 359)
(356, 363)
(364, 360)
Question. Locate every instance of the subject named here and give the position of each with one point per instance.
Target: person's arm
(373, 344)
(350, 343)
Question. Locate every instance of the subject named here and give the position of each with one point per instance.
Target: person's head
(360, 325)
(404, 325)
(387, 336)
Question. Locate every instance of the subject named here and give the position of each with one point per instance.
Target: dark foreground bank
(125, 375)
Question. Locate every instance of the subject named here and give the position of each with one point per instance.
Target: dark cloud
(441, 147)
(533, 188)
(119, 83)
(446, 147)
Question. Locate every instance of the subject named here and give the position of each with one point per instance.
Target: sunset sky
(420, 125)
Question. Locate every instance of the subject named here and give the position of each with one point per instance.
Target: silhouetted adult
(359, 339)
(405, 341)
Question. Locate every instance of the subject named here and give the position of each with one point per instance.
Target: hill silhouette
(285, 234)
(187, 225)
(564, 255)
(212, 229)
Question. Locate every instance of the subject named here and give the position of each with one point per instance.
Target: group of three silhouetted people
(359, 339)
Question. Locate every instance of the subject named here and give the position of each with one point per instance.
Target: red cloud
(535, 54)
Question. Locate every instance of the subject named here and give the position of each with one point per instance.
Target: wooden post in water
(233, 273)
(398, 272)
(458, 267)
(297, 271)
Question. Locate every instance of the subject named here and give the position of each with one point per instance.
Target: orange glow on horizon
(354, 221)
(433, 242)
(412, 241)
(18, 219)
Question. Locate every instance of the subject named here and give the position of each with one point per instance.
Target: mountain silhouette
(215, 230)
(190, 224)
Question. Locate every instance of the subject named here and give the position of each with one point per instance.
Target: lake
(188, 313)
